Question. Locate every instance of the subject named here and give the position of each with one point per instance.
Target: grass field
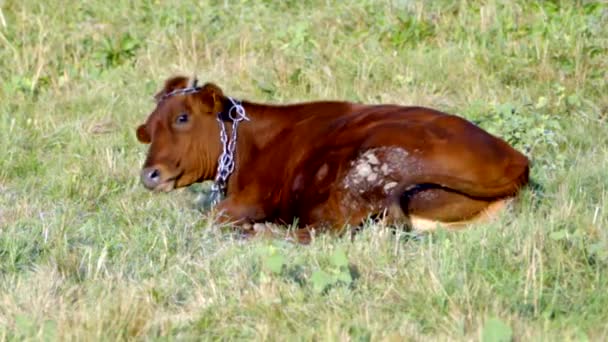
(87, 254)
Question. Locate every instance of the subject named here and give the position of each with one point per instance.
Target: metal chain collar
(226, 162)
(182, 91)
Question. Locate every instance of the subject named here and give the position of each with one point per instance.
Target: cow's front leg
(238, 212)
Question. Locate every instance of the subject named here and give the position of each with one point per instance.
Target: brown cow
(327, 164)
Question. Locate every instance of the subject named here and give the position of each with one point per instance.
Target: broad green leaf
(320, 280)
(274, 263)
(23, 324)
(339, 258)
(345, 276)
(49, 330)
(558, 235)
(573, 100)
(496, 330)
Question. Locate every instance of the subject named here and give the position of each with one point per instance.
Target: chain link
(181, 91)
(226, 161)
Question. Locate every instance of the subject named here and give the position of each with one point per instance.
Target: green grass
(87, 254)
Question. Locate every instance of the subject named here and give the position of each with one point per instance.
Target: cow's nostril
(154, 174)
(151, 177)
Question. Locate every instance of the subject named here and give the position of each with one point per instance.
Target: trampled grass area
(87, 254)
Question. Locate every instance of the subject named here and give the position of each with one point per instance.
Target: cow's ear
(175, 82)
(213, 97)
(142, 134)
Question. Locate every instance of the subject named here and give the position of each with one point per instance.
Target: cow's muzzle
(156, 178)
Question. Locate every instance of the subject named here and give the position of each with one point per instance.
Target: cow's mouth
(166, 186)
(169, 184)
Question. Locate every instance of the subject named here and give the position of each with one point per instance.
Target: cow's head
(183, 135)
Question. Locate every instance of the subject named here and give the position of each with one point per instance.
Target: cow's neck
(253, 136)
(264, 125)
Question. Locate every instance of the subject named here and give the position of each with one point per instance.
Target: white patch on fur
(374, 173)
(371, 159)
(385, 169)
(388, 186)
(363, 170)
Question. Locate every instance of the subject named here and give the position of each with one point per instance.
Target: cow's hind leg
(428, 206)
(390, 183)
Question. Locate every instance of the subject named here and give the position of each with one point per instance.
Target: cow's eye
(182, 118)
